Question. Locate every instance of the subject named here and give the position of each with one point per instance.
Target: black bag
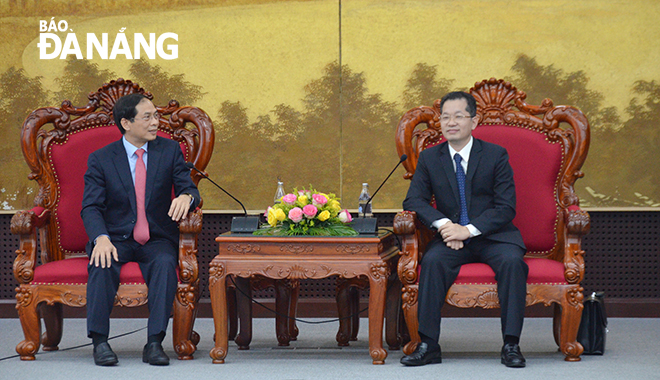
(593, 327)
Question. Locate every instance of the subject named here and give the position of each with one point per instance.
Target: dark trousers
(440, 266)
(158, 261)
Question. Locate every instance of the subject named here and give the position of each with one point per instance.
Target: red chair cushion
(536, 164)
(74, 272)
(69, 163)
(541, 271)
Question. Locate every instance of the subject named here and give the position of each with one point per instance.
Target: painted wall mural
(311, 91)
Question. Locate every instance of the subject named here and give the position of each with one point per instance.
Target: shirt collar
(130, 148)
(465, 152)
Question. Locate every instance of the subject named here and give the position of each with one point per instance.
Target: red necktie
(141, 229)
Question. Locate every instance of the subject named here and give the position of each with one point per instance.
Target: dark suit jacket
(109, 199)
(489, 190)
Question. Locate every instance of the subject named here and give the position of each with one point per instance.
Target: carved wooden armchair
(56, 143)
(547, 146)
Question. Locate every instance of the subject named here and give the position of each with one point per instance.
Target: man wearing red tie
(472, 183)
(129, 215)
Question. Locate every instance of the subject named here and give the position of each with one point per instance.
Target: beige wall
(275, 67)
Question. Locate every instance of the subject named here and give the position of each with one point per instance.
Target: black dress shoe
(512, 357)
(422, 356)
(153, 354)
(104, 356)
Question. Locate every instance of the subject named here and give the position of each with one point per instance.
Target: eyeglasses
(148, 117)
(458, 118)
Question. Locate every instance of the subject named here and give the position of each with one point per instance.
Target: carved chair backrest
(57, 141)
(546, 157)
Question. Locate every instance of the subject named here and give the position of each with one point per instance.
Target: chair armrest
(578, 224)
(25, 224)
(189, 229)
(414, 236)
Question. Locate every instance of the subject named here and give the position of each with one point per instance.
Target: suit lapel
(153, 164)
(473, 165)
(447, 164)
(124, 172)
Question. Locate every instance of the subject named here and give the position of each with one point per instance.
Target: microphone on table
(364, 225)
(245, 223)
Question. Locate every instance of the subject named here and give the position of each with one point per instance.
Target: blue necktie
(463, 219)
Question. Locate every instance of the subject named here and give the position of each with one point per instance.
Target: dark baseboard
(326, 308)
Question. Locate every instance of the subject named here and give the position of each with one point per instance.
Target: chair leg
(194, 337)
(183, 321)
(26, 306)
(244, 310)
(409, 299)
(571, 314)
(403, 329)
(556, 324)
(52, 317)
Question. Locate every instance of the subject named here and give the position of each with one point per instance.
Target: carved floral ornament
(23, 268)
(23, 296)
(244, 248)
(187, 295)
(297, 248)
(354, 249)
(380, 271)
(132, 301)
(76, 299)
(409, 296)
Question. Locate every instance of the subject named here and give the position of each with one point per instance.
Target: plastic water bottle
(279, 193)
(364, 209)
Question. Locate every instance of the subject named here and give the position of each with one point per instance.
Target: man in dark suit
(129, 215)
(475, 197)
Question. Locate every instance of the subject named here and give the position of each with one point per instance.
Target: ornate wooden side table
(303, 257)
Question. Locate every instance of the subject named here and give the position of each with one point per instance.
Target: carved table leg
(293, 309)
(348, 308)
(393, 314)
(354, 299)
(244, 307)
(282, 306)
(343, 311)
(232, 312)
(379, 272)
(218, 288)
